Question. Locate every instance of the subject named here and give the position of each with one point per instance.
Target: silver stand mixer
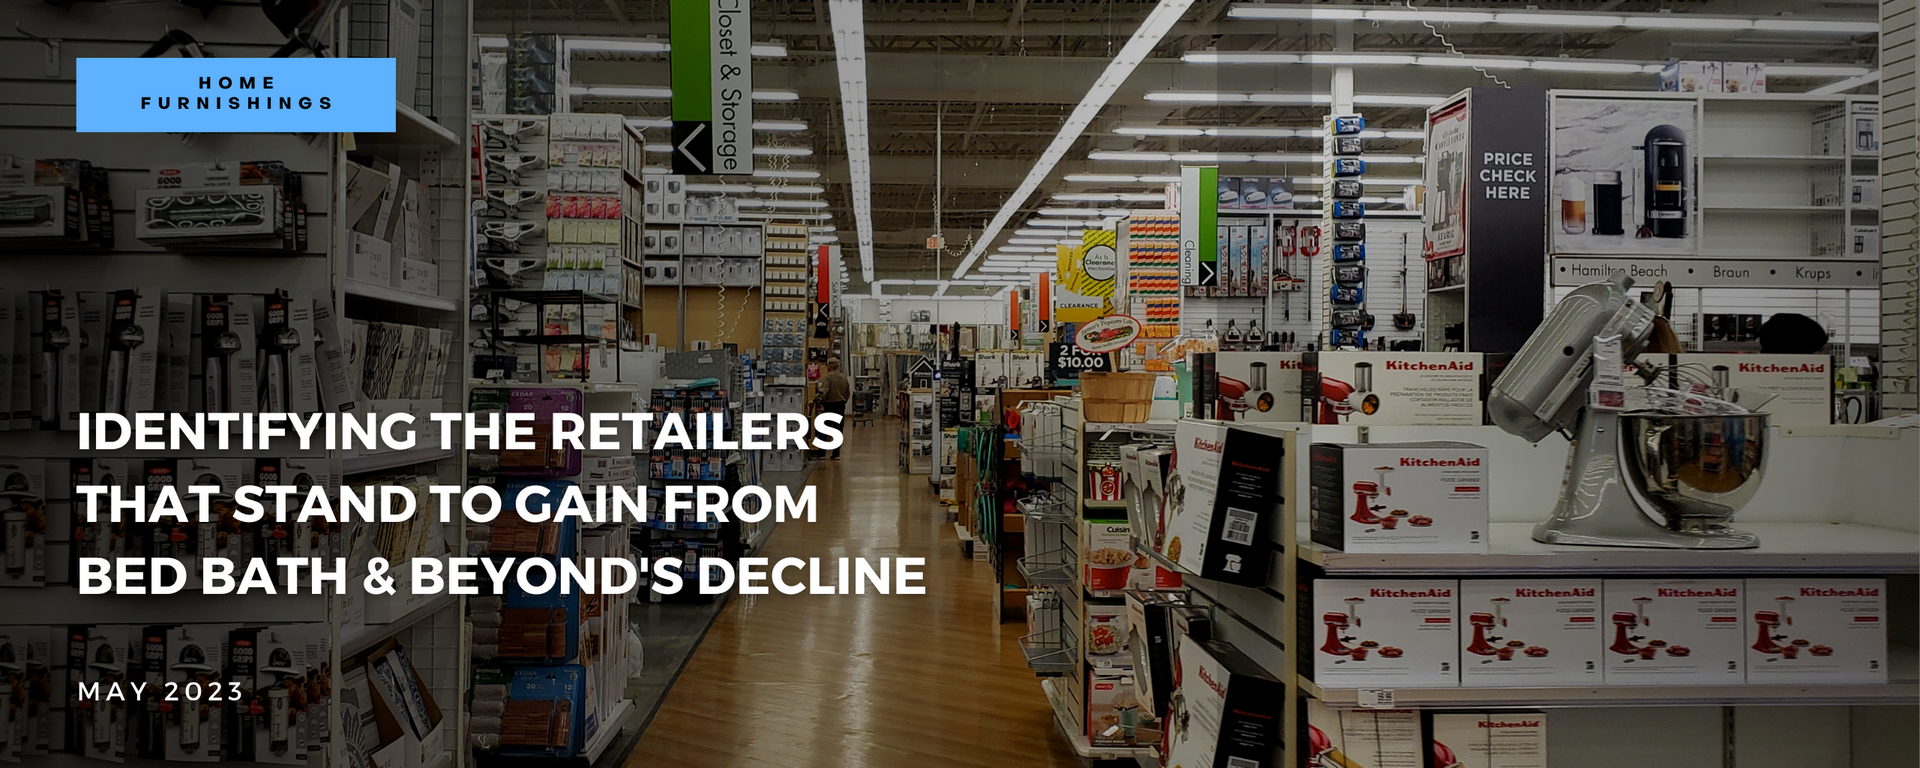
(1635, 478)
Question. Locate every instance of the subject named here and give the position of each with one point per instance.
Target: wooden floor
(897, 681)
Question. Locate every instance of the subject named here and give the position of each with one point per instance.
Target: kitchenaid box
(1489, 740)
(1217, 523)
(1369, 738)
(1816, 631)
(1803, 384)
(1674, 632)
(1383, 633)
(1391, 388)
(1400, 497)
(1225, 710)
(1256, 386)
(1527, 633)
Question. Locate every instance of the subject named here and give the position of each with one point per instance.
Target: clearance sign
(1088, 273)
(712, 87)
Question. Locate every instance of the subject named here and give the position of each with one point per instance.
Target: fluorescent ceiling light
(1002, 269)
(1164, 15)
(1585, 65)
(1025, 249)
(797, 204)
(779, 125)
(765, 50)
(824, 230)
(1030, 241)
(1110, 197)
(850, 65)
(1813, 70)
(767, 173)
(662, 92)
(817, 239)
(1158, 130)
(1064, 223)
(1210, 97)
(1107, 212)
(1120, 178)
(1035, 232)
(782, 151)
(1692, 21)
(789, 215)
(1847, 84)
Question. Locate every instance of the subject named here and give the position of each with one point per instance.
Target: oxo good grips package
(1530, 632)
(1489, 740)
(1400, 497)
(1383, 633)
(1816, 631)
(1674, 632)
(23, 511)
(196, 661)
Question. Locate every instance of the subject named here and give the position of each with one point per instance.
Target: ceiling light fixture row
(1164, 15)
(661, 92)
(644, 123)
(1298, 99)
(850, 63)
(1552, 64)
(770, 50)
(1230, 157)
(1258, 133)
(1564, 20)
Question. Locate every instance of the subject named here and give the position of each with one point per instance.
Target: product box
(1234, 276)
(1259, 255)
(23, 522)
(369, 259)
(196, 654)
(1114, 714)
(1489, 740)
(541, 712)
(403, 695)
(990, 370)
(1392, 388)
(1816, 631)
(1150, 641)
(1364, 738)
(1863, 127)
(1400, 497)
(1218, 523)
(1026, 370)
(1530, 633)
(1256, 386)
(1105, 636)
(1742, 77)
(1383, 633)
(29, 709)
(108, 725)
(1863, 192)
(1803, 384)
(1863, 242)
(1692, 77)
(1108, 562)
(1674, 632)
(1232, 709)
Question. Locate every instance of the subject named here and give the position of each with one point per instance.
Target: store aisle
(786, 681)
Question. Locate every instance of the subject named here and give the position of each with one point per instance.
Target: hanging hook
(53, 49)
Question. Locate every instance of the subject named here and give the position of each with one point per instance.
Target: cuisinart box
(1372, 738)
(1391, 388)
(1227, 713)
(1217, 524)
(1256, 386)
(1490, 740)
(1803, 383)
(1673, 632)
(1369, 633)
(1527, 633)
(1816, 631)
(1400, 497)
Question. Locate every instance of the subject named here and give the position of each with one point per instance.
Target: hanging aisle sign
(1199, 215)
(712, 87)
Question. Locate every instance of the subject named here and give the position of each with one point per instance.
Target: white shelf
(394, 295)
(1785, 159)
(1901, 689)
(411, 127)
(1773, 208)
(1810, 548)
(63, 604)
(610, 728)
(362, 637)
(375, 462)
(1081, 745)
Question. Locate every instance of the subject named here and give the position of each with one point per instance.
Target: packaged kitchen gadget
(1489, 740)
(23, 522)
(1391, 388)
(1217, 517)
(195, 731)
(1816, 631)
(1114, 714)
(1530, 633)
(1674, 632)
(1341, 738)
(1400, 497)
(1225, 710)
(1255, 386)
(1383, 633)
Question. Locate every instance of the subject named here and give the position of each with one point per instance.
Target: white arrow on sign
(689, 140)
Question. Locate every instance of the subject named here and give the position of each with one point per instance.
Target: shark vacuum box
(1383, 633)
(1400, 497)
(1816, 631)
(1674, 632)
(1530, 633)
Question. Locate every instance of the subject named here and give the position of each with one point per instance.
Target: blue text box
(235, 95)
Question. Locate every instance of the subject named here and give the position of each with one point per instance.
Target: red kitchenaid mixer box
(1816, 631)
(1400, 497)
(1674, 632)
(1530, 633)
(1489, 740)
(1383, 633)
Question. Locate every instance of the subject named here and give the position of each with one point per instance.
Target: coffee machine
(1665, 195)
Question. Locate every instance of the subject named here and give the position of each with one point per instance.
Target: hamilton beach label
(1686, 272)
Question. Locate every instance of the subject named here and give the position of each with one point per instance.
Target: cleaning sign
(1199, 215)
(712, 87)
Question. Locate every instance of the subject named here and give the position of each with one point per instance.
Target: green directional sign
(712, 87)
(1199, 215)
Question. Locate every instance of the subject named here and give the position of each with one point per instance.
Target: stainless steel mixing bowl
(1697, 471)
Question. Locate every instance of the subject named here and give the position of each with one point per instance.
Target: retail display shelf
(557, 297)
(63, 604)
(1811, 548)
(1052, 653)
(1903, 688)
(375, 462)
(555, 339)
(1773, 208)
(359, 638)
(1081, 745)
(393, 295)
(1092, 504)
(1786, 159)
(1149, 427)
(609, 732)
(1050, 569)
(412, 128)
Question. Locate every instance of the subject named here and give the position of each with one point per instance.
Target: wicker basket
(1120, 398)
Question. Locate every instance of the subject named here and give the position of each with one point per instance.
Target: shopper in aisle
(832, 393)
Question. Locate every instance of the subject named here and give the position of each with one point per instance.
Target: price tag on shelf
(1375, 698)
